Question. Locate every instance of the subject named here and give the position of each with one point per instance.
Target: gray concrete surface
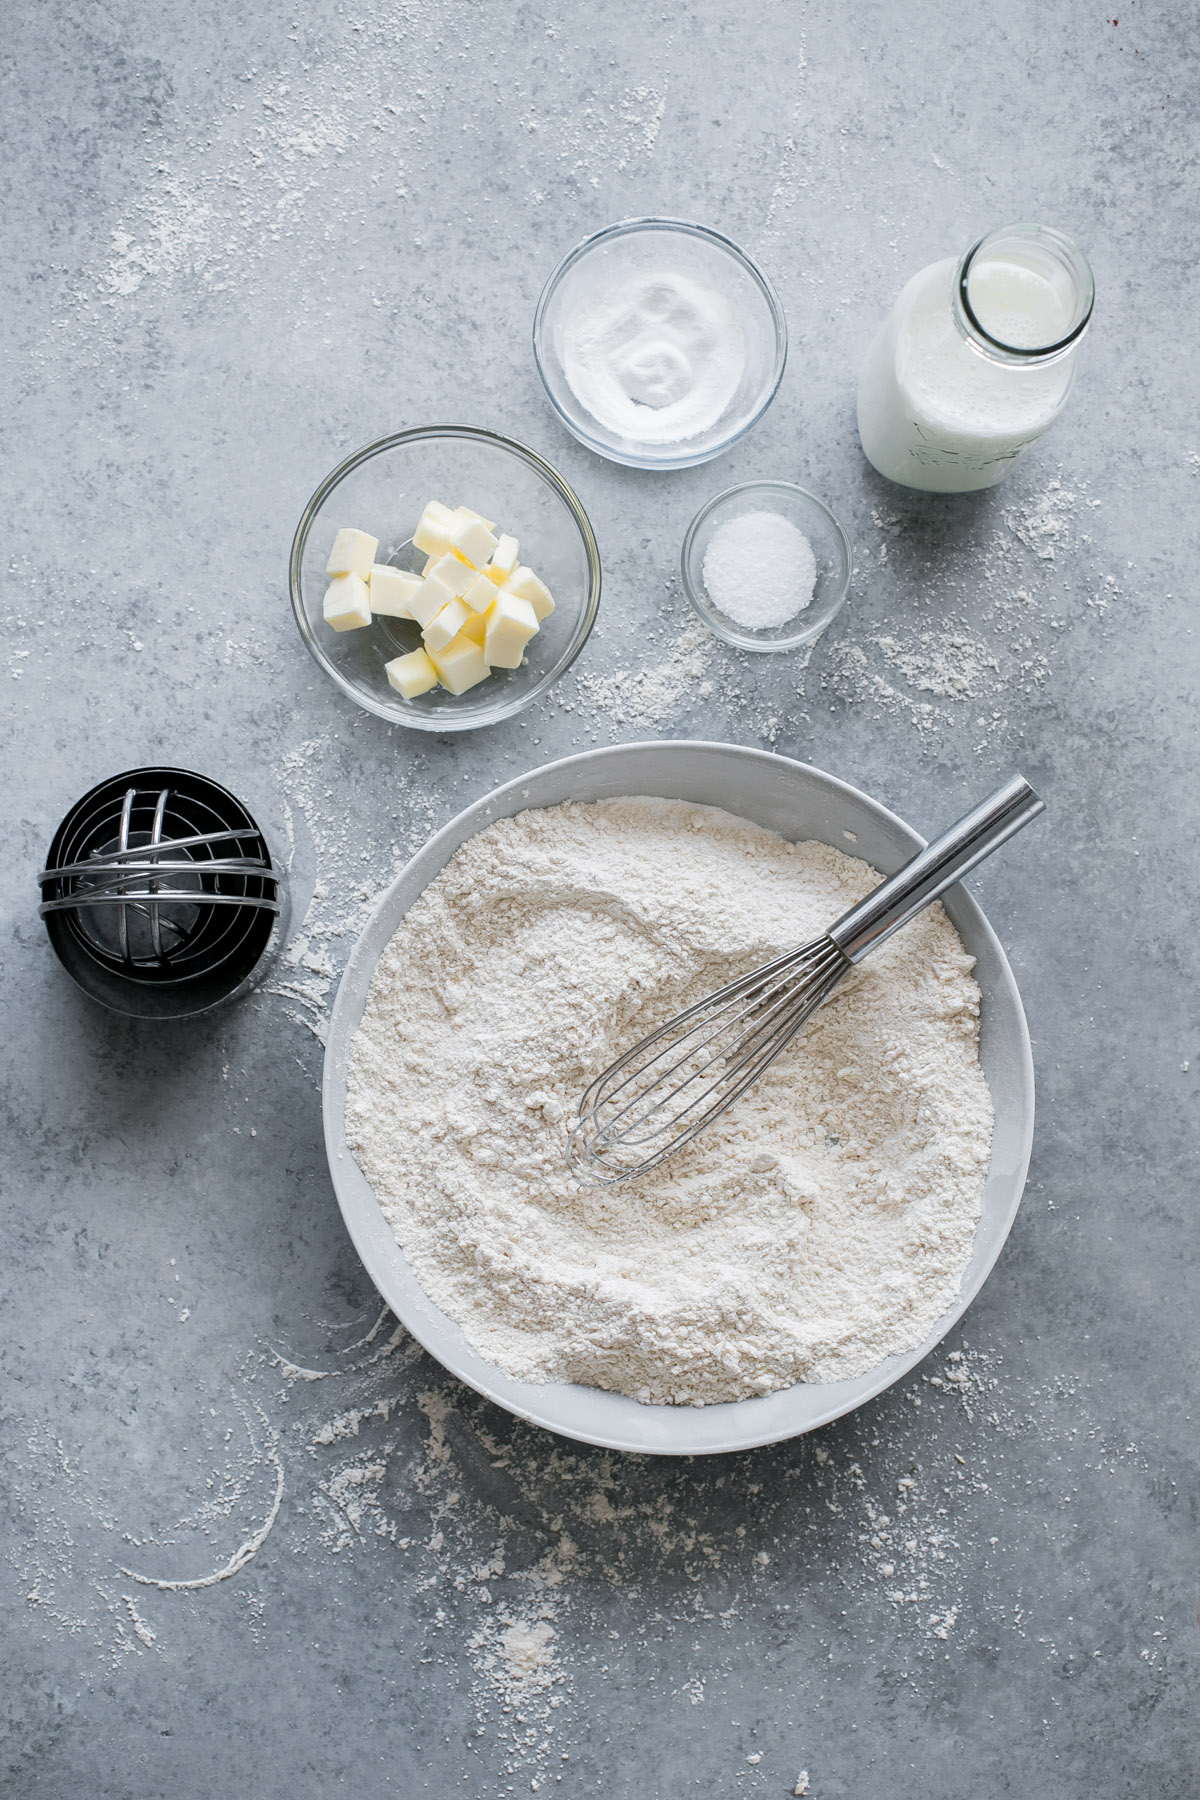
(241, 242)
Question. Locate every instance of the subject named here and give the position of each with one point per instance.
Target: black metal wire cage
(160, 895)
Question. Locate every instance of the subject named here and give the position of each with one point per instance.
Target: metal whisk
(669, 1086)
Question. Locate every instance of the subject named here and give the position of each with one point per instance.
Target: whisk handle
(932, 870)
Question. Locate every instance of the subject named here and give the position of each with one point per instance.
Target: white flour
(652, 694)
(819, 1227)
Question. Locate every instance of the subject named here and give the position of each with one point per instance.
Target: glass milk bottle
(975, 361)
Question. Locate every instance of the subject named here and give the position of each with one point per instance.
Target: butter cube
(391, 590)
(481, 593)
(505, 558)
(347, 604)
(510, 625)
(449, 622)
(475, 628)
(460, 665)
(352, 554)
(525, 585)
(433, 529)
(429, 599)
(453, 572)
(467, 512)
(412, 674)
(472, 539)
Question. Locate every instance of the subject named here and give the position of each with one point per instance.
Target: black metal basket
(160, 895)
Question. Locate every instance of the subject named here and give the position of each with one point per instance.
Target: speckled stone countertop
(241, 243)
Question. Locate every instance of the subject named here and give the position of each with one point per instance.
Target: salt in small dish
(831, 549)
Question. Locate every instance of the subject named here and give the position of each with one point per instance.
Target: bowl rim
(730, 633)
(751, 1422)
(627, 228)
(477, 434)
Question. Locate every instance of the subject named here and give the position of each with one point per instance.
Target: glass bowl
(382, 489)
(831, 548)
(645, 247)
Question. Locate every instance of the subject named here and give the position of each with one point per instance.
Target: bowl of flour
(809, 1248)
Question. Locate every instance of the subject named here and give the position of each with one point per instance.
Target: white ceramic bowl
(799, 802)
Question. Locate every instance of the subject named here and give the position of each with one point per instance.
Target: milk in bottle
(975, 361)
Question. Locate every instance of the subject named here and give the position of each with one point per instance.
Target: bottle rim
(1068, 255)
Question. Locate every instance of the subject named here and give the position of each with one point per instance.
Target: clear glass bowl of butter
(383, 489)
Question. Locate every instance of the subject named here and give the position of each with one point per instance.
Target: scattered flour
(346, 848)
(531, 1561)
(649, 696)
(946, 663)
(1043, 524)
(246, 1551)
(241, 196)
(978, 629)
(528, 1656)
(820, 1226)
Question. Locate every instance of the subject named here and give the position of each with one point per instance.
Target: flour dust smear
(821, 1225)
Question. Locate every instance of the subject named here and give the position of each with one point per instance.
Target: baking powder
(656, 358)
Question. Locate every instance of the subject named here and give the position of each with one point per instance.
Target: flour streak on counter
(236, 202)
(649, 695)
(352, 867)
(525, 1555)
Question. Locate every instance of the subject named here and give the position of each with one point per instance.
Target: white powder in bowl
(655, 358)
(820, 1225)
(759, 569)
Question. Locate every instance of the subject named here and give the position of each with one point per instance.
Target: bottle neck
(1022, 296)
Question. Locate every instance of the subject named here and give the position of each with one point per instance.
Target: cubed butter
(475, 628)
(433, 529)
(472, 539)
(412, 674)
(391, 590)
(481, 594)
(525, 585)
(453, 572)
(347, 605)
(460, 665)
(352, 554)
(468, 512)
(446, 627)
(429, 599)
(510, 625)
(505, 557)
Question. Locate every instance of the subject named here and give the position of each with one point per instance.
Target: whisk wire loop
(717, 1048)
(666, 1089)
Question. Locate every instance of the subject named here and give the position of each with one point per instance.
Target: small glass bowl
(383, 489)
(643, 246)
(831, 548)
